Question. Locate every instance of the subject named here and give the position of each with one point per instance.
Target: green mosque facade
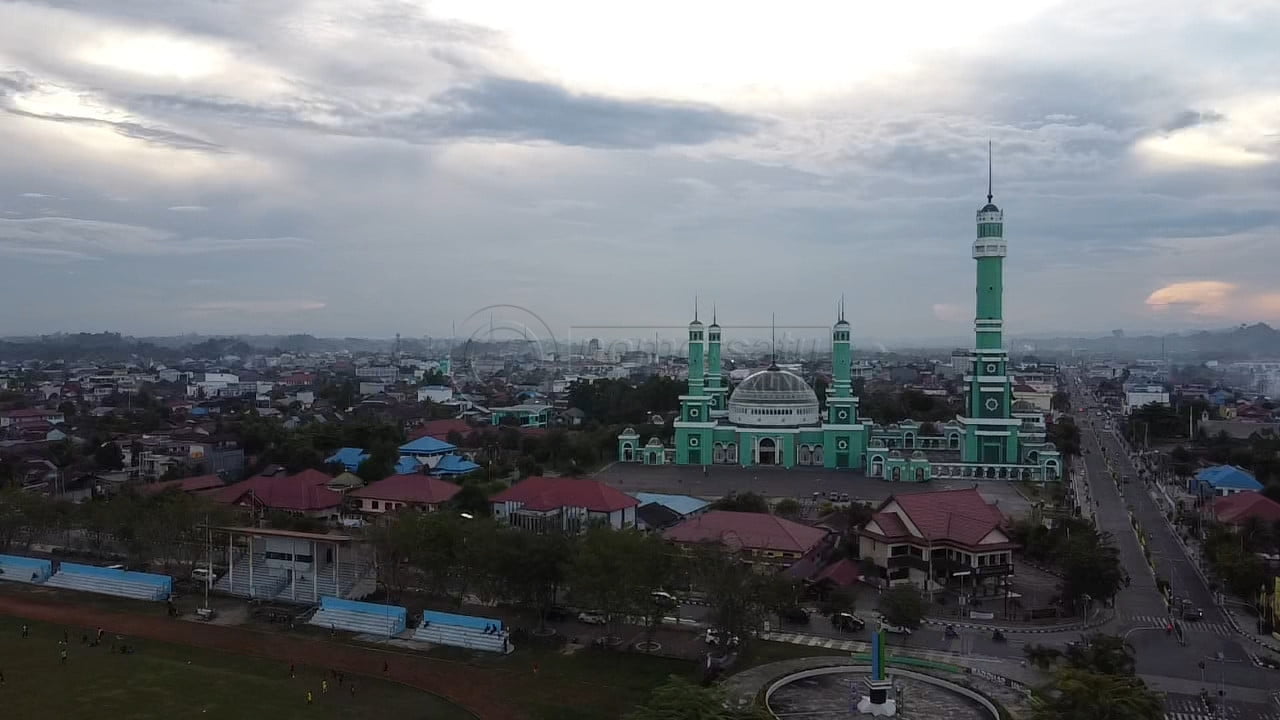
(773, 417)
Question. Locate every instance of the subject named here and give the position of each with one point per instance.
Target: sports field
(165, 681)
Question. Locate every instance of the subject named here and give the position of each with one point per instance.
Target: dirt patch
(475, 689)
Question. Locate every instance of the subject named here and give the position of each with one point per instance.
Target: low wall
(22, 569)
(400, 614)
(434, 617)
(958, 689)
(160, 581)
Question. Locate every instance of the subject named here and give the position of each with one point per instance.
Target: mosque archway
(954, 441)
(766, 452)
(628, 453)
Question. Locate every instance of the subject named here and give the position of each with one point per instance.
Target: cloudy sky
(351, 167)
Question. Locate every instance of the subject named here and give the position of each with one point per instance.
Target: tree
(615, 571)
(455, 438)
(745, 502)
(1061, 402)
(902, 606)
(1101, 654)
(1042, 656)
(1091, 567)
(536, 565)
(839, 600)
(679, 699)
(108, 456)
(1076, 693)
(741, 597)
(788, 508)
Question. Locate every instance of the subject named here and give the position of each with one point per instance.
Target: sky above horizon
(357, 168)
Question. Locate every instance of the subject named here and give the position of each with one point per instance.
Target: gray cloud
(73, 238)
(1193, 118)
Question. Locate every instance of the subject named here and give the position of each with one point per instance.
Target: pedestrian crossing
(1189, 707)
(817, 641)
(1192, 626)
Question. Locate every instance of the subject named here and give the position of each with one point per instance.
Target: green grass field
(168, 681)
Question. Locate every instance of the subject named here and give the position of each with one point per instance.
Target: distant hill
(1246, 342)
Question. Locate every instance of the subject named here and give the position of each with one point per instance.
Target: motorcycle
(950, 632)
(997, 636)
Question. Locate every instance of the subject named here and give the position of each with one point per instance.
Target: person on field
(26, 631)
(324, 686)
(63, 658)
(292, 671)
(309, 698)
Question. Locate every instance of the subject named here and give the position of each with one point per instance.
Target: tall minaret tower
(991, 432)
(694, 428)
(842, 406)
(715, 378)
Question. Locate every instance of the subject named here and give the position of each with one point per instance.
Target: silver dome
(774, 398)
(774, 387)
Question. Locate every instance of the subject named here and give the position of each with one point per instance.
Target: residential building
(1222, 480)
(305, 493)
(769, 542)
(659, 511)
(435, 393)
(421, 492)
(1237, 509)
(947, 539)
(1137, 397)
(528, 415)
(570, 504)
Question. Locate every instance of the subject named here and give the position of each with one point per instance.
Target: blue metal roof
(1228, 476)
(349, 457)
(427, 445)
(454, 465)
(408, 465)
(682, 504)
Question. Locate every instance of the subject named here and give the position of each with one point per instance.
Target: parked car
(715, 638)
(556, 613)
(848, 622)
(844, 497)
(204, 574)
(591, 618)
(1191, 612)
(895, 629)
(664, 598)
(797, 615)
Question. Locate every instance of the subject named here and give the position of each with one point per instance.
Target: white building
(435, 393)
(1140, 396)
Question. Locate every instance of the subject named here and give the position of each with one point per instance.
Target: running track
(474, 689)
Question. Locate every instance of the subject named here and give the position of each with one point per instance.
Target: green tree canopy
(1074, 694)
(679, 699)
(902, 605)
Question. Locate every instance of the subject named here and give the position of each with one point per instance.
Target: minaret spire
(713, 314)
(841, 307)
(695, 308)
(989, 195)
(773, 340)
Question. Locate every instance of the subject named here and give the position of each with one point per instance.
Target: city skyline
(365, 169)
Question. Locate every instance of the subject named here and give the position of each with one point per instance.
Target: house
(942, 539)
(440, 429)
(1222, 480)
(570, 504)
(573, 418)
(421, 492)
(427, 449)
(769, 542)
(348, 457)
(528, 415)
(23, 418)
(1237, 508)
(659, 511)
(305, 493)
(200, 483)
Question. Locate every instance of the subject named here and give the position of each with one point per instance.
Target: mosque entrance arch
(628, 453)
(766, 452)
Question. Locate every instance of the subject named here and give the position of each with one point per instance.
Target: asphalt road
(1160, 658)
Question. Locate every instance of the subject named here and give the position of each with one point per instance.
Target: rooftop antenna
(695, 308)
(989, 195)
(841, 307)
(713, 313)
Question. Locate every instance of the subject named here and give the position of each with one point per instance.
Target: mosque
(773, 418)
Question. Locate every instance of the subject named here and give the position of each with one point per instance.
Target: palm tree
(1076, 693)
(1042, 656)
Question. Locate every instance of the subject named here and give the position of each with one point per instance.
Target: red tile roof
(750, 530)
(960, 516)
(841, 574)
(1236, 508)
(412, 488)
(302, 492)
(440, 429)
(550, 493)
(187, 485)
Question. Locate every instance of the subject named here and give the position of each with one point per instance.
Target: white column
(335, 568)
(250, 566)
(315, 574)
(231, 564)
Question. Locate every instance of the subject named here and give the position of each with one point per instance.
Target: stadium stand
(354, 581)
(110, 581)
(464, 631)
(15, 568)
(338, 614)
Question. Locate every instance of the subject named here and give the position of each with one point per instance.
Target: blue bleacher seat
(464, 631)
(16, 568)
(110, 581)
(362, 617)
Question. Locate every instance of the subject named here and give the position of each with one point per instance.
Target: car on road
(847, 622)
(895, 629)
(664, 598)
(556, 613)
(796, 615)
(591, 618)
(844, 497)
(1190, 611)
(204, 575)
